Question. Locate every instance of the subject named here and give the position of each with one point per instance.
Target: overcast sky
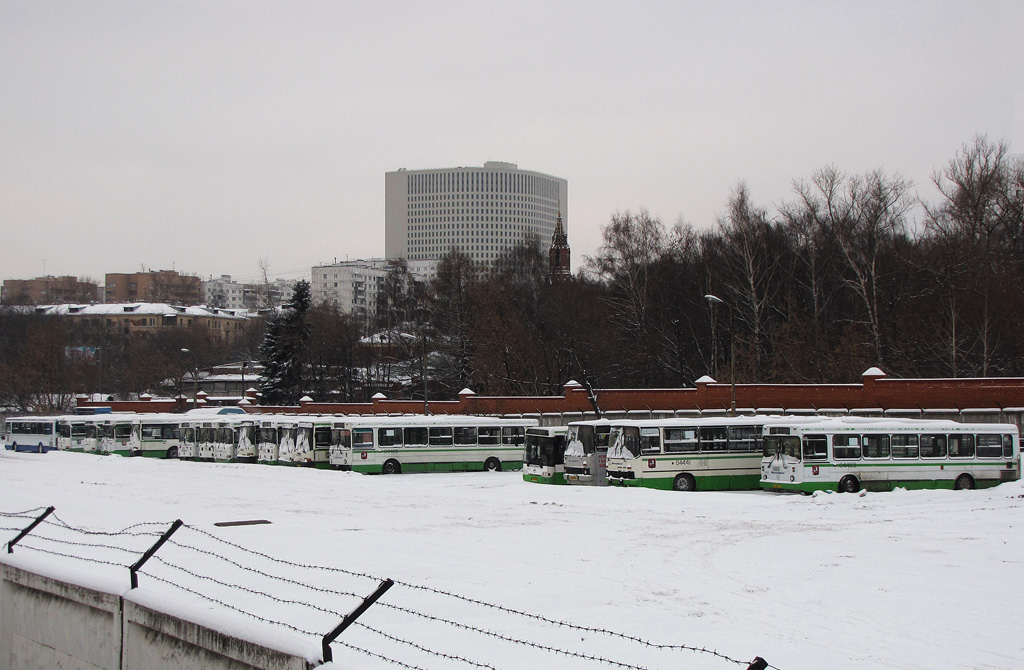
(204, 136)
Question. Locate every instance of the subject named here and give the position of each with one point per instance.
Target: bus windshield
(543, 450)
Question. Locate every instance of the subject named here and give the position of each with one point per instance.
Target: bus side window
(441, 436)
(846, 447)
(1007, 446)
(389, 437)
(744, 438)
(513, 435)
(415, 437)
(933, 446)
(714, 438)
(490, 435)
(362, 438)
(876, 446)
(815, 447)
(961, 445)
(650, 441)
(680, 440)
(904, 446)
(465, 436)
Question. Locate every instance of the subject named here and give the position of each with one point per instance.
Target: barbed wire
(501, 608)
(313, 606)
(131, 532)
(275, 623)
(91, 545)
(57, 521)
(29, 513)
(286, 580)
(24, 545)
(507, 638)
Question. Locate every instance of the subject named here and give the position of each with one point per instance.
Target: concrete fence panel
(46, 623)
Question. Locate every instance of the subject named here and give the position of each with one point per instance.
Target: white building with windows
(353, 286)
(481, 211)
(226, 293)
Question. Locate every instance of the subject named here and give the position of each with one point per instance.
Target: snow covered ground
(920, 579)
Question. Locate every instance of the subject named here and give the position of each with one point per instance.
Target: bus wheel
(492, 464)
(391, 467)
(684, 483)
(849, 484)
(963, 482)
(172, 452)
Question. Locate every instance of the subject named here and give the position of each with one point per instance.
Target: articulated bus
(416, 443)
(689, 454)
(31, 433)
(544, 455)
(851, 454)
(77, 433)
(586, 452)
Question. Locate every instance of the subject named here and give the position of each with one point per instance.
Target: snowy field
(922, 579)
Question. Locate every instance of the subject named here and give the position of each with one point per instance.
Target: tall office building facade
(481, 211)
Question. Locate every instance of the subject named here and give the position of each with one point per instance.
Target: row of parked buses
(368, 444)
(775, 453)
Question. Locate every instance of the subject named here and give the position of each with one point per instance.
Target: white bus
(195, 430)
(78, 433)
(544, 455)
(308, 440)
(235, 439)
(439, 443)
(159, 435)
(118, 434)
(586, 452)
(688, 454)
(851, 454)
(31, 433)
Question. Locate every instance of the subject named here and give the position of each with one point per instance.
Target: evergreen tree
(284, 350)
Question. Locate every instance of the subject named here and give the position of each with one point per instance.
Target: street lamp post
(715, 300)
(195, 375)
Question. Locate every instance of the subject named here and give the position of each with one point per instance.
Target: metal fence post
(29, 528)
(152, 550)
(351, 618)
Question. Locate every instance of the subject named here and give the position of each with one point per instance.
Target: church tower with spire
(558, 256)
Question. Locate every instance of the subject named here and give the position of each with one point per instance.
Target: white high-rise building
(479, 211)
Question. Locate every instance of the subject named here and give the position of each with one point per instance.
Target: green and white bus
(118, 434)
(685, 454)
(77, 433)
(851, 454)
(440, 443)
(544, 455)
(586, 452)
(159, 435)
(235, 439)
